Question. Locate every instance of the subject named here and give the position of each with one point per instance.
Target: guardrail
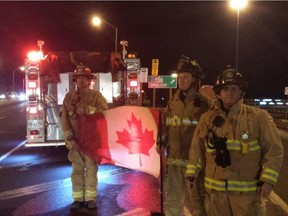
(278, 108)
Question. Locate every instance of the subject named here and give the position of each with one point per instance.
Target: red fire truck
(49, 77)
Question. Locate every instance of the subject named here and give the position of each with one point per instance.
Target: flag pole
(160, 144)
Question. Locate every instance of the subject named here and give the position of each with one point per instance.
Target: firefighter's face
(82, 81)
(230, 95)
(185, 80)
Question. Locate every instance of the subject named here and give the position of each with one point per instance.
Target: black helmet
(227, 77)
(82, 70)
(185, 64)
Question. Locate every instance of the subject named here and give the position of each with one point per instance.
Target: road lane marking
(34, 189)
(38, 188)
(2, 117)
(13, 150)
(34, 162)
(136, 212)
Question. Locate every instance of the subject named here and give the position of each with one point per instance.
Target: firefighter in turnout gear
(181, 117)
(241, 148)
(83, 101)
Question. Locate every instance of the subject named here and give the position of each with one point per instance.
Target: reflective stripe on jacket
(239, 186)
(181, 118)
(176, 121)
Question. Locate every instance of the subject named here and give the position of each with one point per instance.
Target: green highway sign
(162, 82)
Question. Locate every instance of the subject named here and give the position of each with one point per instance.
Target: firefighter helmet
(227, 77)
(185, 64)
(82, 70)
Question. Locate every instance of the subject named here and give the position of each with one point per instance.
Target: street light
(19, 68)
(173, 74)
(96, 21)
(238, 5)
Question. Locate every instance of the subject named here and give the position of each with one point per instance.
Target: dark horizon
(203, 30)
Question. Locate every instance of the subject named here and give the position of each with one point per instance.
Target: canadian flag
(125, 136)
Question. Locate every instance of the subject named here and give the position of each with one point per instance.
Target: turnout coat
(253, 143)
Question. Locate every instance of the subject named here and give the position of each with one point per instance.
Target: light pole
(13, 78)
(237, 5)
(96, 21)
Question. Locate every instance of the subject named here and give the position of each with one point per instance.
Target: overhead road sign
(162, 82)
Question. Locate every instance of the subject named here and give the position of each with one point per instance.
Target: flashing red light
(133, 83)
(35, 55)
(33, 110)
(32, 84)
(34, 132)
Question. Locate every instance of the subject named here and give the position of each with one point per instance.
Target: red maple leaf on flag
(134, 139)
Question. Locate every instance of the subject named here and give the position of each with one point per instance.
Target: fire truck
(49, 77)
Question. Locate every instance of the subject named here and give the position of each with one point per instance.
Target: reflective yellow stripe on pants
(78, 195)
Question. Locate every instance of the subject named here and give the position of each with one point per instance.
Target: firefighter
(241, 148)
(181, 117)
(82, 101)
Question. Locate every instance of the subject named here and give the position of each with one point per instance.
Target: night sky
(203, 30)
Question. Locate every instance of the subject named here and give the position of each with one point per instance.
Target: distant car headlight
(2, 96)
(22, 96)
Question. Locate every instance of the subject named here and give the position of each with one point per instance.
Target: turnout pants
(179, 194)
(83, 177)
(229, 204)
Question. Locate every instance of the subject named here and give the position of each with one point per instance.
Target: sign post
(286, 90)
(286, 93)
(162, 82)
(154, 72)
(143, 75)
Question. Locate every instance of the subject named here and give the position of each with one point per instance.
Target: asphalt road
(36, 181)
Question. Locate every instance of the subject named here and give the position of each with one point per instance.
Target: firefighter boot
(91, 204)
(77, 205)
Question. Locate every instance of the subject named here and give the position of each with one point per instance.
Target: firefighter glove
(264, 189)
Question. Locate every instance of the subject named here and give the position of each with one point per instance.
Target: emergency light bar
(35, 55)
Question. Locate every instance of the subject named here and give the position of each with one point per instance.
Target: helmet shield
(185, 64)
(229, 77)
(82, 70)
